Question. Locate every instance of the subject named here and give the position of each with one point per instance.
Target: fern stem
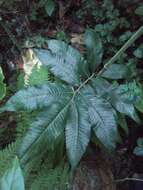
(137, 34)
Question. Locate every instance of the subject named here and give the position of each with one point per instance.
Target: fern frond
(51, 178)
(6, 156)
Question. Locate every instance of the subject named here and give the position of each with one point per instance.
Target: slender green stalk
(86, 81)
(135, 36)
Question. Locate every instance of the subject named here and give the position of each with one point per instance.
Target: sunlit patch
(30, 61)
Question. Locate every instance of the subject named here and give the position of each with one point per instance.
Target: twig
(128, 179)
(10, 12)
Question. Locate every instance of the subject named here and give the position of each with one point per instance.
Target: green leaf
(102, 118)
(49, 7)
(139, 52)
(77, 131)
(47, 127)
(139, 148)
(38, 76)
(138, 151)
(94, 49)
(20, 81)
(12, 178)
(36, 97)
(140, 142)
(1, 75)
(103, 121)
(63, 61)
(121, 97)
(116, 71)
(123, 100)
(139, 10)
(2, 90)
(139, 100)
(139, 106)
(126, 108)
(102, 87)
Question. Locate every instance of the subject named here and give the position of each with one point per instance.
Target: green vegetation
(64, 100)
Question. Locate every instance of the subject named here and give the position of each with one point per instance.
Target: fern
(44, 175)
(51, 178)
(6, 156)
(34, 72)
(82, 102)
(36, 175)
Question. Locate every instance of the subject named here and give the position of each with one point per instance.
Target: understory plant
(82, 101)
